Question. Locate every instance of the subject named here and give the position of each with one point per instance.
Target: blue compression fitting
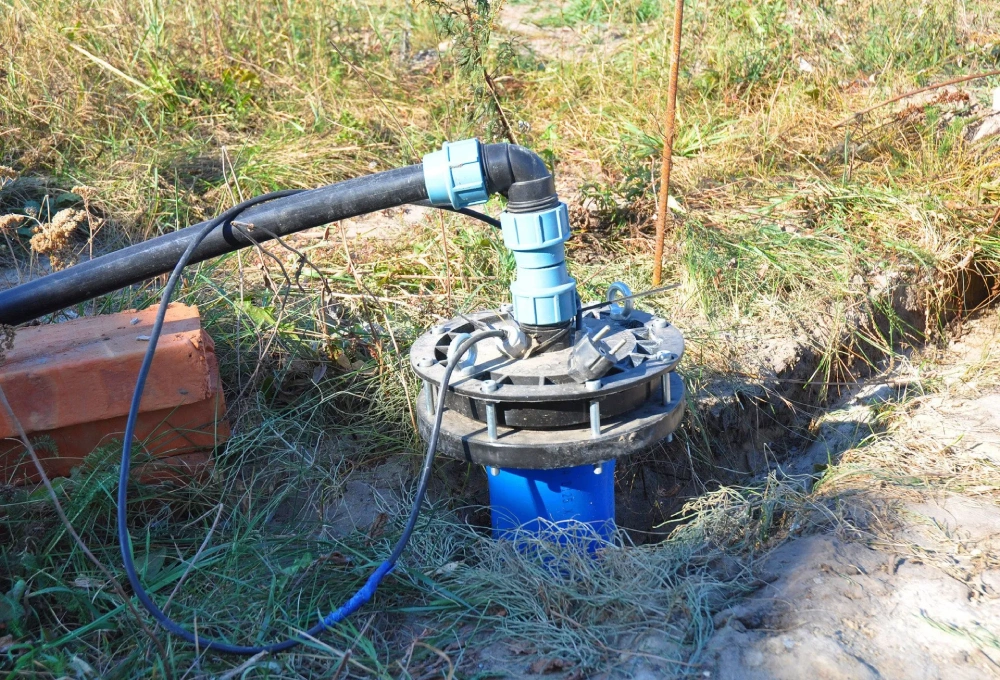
(454, 175)
(543, 293)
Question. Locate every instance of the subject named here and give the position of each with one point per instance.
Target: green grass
(170, 112)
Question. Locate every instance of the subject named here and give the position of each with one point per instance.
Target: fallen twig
(855, 116)
(190, 566)
(245, 666)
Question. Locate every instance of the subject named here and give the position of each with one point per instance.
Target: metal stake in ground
(668, 143)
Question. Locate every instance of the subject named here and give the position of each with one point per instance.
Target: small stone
(753, 658)
(875, 394)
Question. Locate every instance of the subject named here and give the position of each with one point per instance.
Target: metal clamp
(468, 362)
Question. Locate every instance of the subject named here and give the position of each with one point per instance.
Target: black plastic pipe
(142, 261)
(510, 170)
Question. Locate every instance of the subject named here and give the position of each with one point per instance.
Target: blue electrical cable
(365, 593)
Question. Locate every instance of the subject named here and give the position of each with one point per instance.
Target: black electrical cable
(366, 592)
(425, 473)
(474, 214)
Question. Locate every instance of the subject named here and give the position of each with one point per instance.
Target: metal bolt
(425, 362)
(439, 328)
(593, 385)
(429, 396)
(614, 350)
(506, 308)
(665, 382)
(657, 322)
(489, 386)
(491, 421)
(598, 469)
(595, 418)
(604, 330)
(494, 470)
(662, 356)
(670, 437)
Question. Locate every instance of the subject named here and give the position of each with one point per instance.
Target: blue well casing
(528, 500)
(543, 292)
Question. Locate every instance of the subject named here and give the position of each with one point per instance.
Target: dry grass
(147, 116)
(54, 239)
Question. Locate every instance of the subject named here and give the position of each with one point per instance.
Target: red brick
(70, 384)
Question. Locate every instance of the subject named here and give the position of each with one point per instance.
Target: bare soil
(917, 595)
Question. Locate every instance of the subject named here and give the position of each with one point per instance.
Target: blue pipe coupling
(544, 293)
(454, 175)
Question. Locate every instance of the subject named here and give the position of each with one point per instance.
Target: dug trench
(790, 405)
(777, 410)
(784, 404)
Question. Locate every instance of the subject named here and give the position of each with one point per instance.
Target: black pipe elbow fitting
(521, 175)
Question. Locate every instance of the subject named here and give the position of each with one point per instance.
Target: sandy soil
(919, 596)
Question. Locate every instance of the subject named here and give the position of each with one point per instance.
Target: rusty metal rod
(668, 143)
